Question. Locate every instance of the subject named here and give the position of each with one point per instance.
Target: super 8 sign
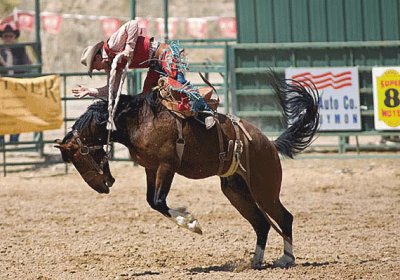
(386, 82)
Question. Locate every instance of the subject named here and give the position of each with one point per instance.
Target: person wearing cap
(10, 57)
(140, 51)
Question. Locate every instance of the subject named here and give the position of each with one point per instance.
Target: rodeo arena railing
(240, 81)
(39, 151)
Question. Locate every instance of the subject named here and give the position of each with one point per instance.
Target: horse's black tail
(299, 103)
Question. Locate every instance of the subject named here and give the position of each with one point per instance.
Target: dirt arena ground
(53, 226)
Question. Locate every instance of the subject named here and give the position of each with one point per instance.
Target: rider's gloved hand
(82, 91)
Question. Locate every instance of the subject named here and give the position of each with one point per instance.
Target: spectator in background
(9, 57)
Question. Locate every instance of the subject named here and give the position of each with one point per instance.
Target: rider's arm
(103, 91)
(124, 39)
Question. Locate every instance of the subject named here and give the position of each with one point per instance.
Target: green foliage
(6, 6)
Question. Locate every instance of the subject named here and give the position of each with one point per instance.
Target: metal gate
(310, 33)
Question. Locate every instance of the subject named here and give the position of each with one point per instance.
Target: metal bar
(37, 34)
(232, 85)
(65, 114)
(165, 20)
(3, 145)
(263, 70)
(133, 9)
(215, 40)
(226, 79)
(318, 45)
(19, 45)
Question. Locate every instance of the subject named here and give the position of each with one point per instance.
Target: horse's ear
(59, 144)
(62, 147)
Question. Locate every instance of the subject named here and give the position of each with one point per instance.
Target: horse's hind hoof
(257, 265)
(284, 262)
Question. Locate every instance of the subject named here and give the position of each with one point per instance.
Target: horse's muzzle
(99, 182)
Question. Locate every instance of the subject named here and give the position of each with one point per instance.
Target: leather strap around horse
(180, 142)
(237, 149)
(222, 154)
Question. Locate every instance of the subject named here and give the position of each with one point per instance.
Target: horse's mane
(131, 105)
(128, 106)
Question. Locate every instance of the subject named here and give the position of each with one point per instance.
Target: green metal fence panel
(300, 21)
(318, 23)
(310, 33)
(372, 20)
(281, 18)
(353, 19)
(264, 19)
(274, 21)
(253, 98)
(245, 13)
(390, 20)
(335, 21)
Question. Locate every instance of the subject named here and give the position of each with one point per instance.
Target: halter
(85, 150)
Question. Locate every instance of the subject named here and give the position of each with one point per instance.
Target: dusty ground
(53, 226)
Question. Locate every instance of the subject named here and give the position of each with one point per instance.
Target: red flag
(51, 22)
(197, 27)
(7, 20)
(143, 23)
(227, 26)
(172, 26)
(110, 25)
(26, 21)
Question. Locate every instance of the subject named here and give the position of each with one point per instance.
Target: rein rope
(112, 106)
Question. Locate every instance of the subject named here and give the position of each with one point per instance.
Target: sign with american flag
(339, 95)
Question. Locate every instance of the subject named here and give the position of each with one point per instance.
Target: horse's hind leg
(235, 189)
(266, 195)
(285, 222)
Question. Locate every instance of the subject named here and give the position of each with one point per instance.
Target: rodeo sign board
(339, 95)
(386, 83)
(30, 104)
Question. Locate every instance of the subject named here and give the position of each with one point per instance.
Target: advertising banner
(386, 86)
(339, 95)
(30, 104)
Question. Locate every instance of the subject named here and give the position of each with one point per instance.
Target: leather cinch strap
(237, 148)
(236, 145)
(180, 142)
(223, 156)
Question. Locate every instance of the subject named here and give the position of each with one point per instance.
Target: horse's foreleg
(158, 186)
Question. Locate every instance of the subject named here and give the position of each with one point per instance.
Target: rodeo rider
(142, 52)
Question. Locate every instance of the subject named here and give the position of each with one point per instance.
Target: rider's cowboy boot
(206, 92)
(209, 122)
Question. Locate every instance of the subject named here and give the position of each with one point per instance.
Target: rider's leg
(150, 81)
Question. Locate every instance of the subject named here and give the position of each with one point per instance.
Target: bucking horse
(247, 162)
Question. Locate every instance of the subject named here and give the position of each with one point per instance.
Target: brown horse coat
(150, 133)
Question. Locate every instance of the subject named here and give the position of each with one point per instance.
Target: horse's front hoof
(284, 262)
(195, 227)
(184, 219)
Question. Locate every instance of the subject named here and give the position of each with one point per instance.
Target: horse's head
(90, 160)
